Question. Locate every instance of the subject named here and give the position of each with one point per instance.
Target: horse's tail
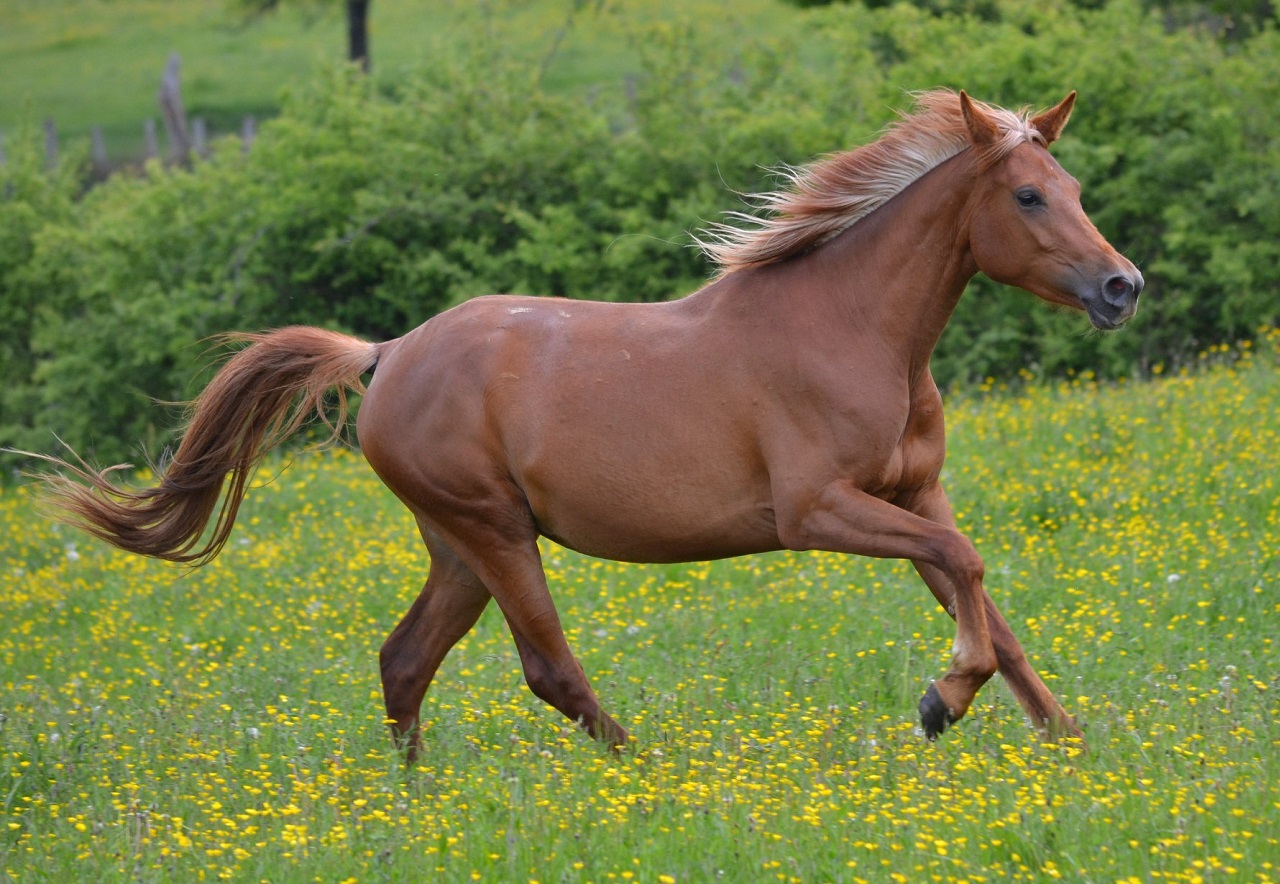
(245, 411)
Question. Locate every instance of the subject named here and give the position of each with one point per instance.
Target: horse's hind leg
(555, 676)
(509, 563)
(1041, 706)
(448, 606)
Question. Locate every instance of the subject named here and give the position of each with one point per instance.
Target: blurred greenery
(98, 63)
(369, 204)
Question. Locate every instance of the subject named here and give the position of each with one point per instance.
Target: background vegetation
(372, 203)
(163, 725)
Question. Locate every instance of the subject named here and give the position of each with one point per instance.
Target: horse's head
(1028, 229)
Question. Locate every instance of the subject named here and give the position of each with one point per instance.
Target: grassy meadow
(161, 724)
(87, 63)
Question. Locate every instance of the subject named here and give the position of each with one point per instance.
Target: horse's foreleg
(845, 519)
(448, 606)
(1041, 706)
(1039, 703)
(974, 659)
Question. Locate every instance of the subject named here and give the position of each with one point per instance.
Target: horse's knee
(389, 659)
(963, 561)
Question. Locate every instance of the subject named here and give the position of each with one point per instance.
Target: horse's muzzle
(1114, 301)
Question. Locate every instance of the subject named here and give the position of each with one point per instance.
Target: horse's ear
(982, 129)
(1051, 123)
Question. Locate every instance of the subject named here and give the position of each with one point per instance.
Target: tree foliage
(370, 210)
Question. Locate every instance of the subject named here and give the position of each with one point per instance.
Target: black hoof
(935, 717)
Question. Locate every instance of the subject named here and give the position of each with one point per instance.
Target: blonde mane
(829, 196)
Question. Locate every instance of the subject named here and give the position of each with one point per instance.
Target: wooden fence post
(175, 118)
(248, 132)
(151, 144)
(199, 137)
(98, 151)
(50, 142)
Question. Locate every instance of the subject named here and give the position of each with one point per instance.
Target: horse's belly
(617, 539)
(631, 515)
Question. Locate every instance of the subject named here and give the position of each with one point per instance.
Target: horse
(786, 404)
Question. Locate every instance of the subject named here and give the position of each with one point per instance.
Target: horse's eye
(1028, 197)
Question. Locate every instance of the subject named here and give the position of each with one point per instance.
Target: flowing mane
(829, 196)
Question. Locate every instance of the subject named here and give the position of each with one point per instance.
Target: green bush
(372, 210)
(30, 200)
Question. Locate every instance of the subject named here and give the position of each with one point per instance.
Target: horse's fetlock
(986, 667)
(979, 664)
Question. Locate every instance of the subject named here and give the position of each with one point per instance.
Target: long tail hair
(245, 411)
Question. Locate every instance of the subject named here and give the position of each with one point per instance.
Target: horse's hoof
(935, 717)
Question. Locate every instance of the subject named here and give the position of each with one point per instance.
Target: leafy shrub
(30, 199)
(371, 210)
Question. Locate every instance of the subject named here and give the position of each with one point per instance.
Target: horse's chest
(913, 460)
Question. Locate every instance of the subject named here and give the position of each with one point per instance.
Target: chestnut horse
(788, 404)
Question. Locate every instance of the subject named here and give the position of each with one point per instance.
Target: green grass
(226, 723)
(87, 63)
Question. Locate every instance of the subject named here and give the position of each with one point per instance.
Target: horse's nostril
(1118, 288)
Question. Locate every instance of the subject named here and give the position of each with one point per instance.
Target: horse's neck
(893, 279)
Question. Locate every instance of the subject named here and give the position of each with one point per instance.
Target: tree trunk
(358, 32)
